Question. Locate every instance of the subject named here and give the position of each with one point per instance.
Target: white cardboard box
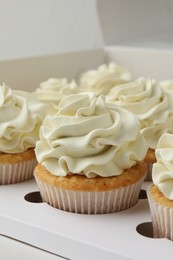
(75, 236)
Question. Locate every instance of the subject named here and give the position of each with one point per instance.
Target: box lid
(45, 27)
(49, 27)
(137, 22)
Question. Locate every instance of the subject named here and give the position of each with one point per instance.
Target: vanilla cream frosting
(19, 121)
(146, 99)
(53, 90)
(101, 80)
(167, 87)
(35, 106)
(163, 169)
(90, 137)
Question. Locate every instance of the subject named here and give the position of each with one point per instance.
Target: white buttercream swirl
(163, 169)
(167, 87)
(89, 136)
(53, 90)
(101, 80)
(146, 99)
(19, 121)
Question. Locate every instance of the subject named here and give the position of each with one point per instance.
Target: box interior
(28, 73)
(145, 31)
(136, 23)
(150, 63)
(71, 235)
(88, 236)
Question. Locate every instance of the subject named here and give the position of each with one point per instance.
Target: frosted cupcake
(19, 132)
(89, 156)
(160, 194)
(101, 80)
(167, 87)
(146, 99)
(53, 90)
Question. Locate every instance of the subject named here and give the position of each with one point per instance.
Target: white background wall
(39, 27)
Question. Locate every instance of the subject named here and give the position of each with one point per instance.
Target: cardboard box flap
(37, 28)
(138, 23)
(28, 73)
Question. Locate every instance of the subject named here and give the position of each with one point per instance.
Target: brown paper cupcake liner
(17, 172)
(162, 219)
(90, 202)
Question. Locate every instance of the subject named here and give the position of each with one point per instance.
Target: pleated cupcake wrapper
(90, 202)
(162, 219)
(17, 172)
(149, 171)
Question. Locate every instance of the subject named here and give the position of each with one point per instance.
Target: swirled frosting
(91, 137)
(53, 90)
(163, 169)
(146, 99)
(101, 80)
(167, 87)
(19, 120)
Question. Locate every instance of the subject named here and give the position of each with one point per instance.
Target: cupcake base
(161, 210)
(78, 194)
(16, 168)
(149, 160)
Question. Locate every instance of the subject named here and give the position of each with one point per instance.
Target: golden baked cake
(149, 160)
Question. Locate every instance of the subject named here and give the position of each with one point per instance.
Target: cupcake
(89, 156)
(19, 131)
(50, 92)
(101, 80)
(146, 99)
(167, 87)
(160, 194)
